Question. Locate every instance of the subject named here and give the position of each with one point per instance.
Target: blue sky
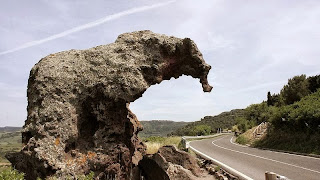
(252, 46)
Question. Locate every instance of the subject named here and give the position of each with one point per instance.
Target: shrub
(242, 140)
(201, 130)
(11, 174)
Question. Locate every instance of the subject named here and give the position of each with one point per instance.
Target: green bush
(244, 124)
(242, 140)
(303, 115)
(11, 174)
(201, 130)
(295, 127)
(89, 176)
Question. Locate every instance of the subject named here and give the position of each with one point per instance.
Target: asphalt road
(255, 162)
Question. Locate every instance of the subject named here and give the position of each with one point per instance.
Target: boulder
(169, 163)
(78, 104)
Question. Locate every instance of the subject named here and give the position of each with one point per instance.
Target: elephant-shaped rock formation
(78, 104)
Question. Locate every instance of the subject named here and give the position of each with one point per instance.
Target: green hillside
(9, 142)
(160, 127)
(295, 127)
(9, 129)
(294, 115)
(224, 120)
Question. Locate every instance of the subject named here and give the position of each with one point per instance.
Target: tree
(297, 88)
(257, 113)
(269, 99)
(201, 130)
(314, 83)
(273, 100)
(243, 124)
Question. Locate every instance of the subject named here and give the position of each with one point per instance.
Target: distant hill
(10, 140)
(160, 127)
(224, 120)
(10, 129)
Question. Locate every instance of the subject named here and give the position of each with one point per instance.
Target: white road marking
(310, 157)
(224, 166)
(263, 157)
(294, 155)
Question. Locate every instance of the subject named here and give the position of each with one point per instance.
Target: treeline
(210, 124)
(297, 88)
(9, 129)
(294, 115)
(159, 127)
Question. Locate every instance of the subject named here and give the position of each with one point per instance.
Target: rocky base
(215, 170)
(169, 163)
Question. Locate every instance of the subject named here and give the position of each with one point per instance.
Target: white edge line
(304, 156)
(261, 157)
(223, 166)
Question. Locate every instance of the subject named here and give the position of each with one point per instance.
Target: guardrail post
(271, 176)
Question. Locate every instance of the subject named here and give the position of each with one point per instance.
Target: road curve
(255, 162)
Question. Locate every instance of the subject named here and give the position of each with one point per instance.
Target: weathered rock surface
(169, 163)
(78, 104)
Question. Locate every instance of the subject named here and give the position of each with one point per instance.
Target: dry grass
(247, 137)
(154, 143)
(152, 147)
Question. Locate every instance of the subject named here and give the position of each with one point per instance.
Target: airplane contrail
(87, 26)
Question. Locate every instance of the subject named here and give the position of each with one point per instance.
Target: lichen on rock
(78, 104)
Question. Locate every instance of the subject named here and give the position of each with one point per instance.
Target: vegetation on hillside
(294, 115)
(159, 127)
(224, 120)
(9, 142)
(9, 129)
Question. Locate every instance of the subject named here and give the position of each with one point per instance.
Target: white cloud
(87, 26)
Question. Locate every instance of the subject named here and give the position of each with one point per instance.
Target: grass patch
(247, 137)
(153, 143)
(242, 140)
(3, 168)
(10, 173)
(9, 142)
